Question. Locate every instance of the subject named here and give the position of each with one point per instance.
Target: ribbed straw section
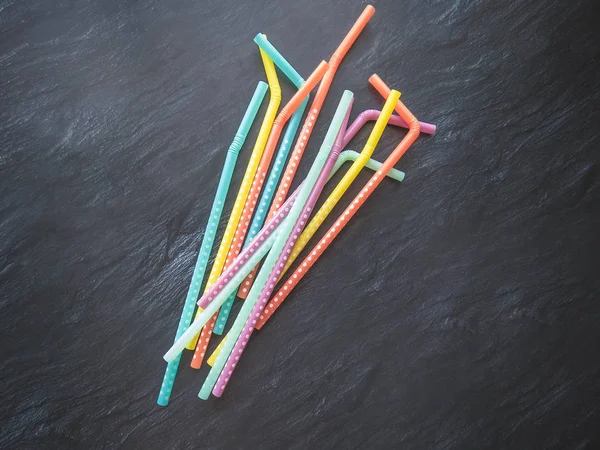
(236, 144)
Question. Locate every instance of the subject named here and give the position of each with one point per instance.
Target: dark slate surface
(460, 310)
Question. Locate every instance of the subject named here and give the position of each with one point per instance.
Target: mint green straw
(210, 233)
(211, 306)
(284, 149)
(351, 155)
(282, 236)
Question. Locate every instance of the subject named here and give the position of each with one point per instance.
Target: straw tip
(374, 79)
(369, 9)
(162, 402)
(259, 37)
(203, 395)
(322, 67)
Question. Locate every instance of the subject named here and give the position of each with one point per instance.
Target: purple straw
(373, 114)
(267, 290)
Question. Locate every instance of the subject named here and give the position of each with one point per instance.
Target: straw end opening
(374, 79)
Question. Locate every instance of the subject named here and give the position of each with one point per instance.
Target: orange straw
(309, 122)
(342, 220)
(259, 178)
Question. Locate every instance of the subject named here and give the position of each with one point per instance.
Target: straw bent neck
(289, 71)
(414, 127)
(291, 106)
(372, 114)
(351, 37)
(344, 218)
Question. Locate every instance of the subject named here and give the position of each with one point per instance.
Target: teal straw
(282, 236)
(275, 174)
(210, 233)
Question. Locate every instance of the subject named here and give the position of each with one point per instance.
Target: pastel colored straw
(369, 148)
(343, 185)
(372, 115)
(339, 190)
(346, 181)
(210, 232)
(275, 173)
(227, 283)
(265, 128)
(259, 177)
(345, 156)
(349, 177)
(309, 122)
(352, 155)
(344, 218)
(214, 297)
(272, 263)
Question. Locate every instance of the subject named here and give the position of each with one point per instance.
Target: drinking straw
(259, 146)
(275, 174)
(372, 115)
(372, 164)
(341, 187)
(368, 150)
(243, 219)
(344, 218)
(229, 280)
(210, 232)
(345, 156)
(313, 115)
(344, 184)
(271, 263)
(213, 298)
(337, 193)
(241, 266)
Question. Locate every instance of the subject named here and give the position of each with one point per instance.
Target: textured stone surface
(460, 310)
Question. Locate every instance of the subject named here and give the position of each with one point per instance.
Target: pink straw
(373, 114)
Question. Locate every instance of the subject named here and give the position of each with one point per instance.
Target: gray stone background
(460, 308)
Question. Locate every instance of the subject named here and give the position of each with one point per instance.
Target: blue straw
(210, 233)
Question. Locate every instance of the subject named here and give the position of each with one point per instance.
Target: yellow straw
(240, 200)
